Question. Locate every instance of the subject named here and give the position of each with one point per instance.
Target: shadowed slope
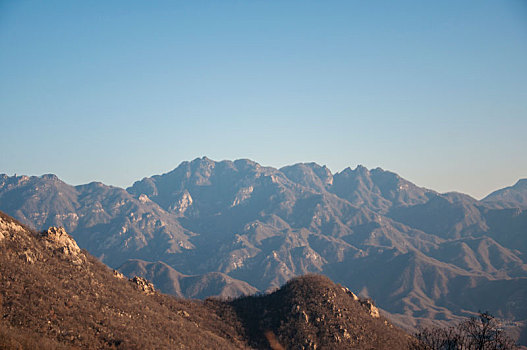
(311, 312)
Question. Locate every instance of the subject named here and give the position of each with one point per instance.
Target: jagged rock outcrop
(350, 293)
(182, 203)
(372, 309)
(118, 275)
(62, 244)
(8, 228)
(143, 285)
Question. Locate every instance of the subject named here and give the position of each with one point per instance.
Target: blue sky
(115, 91)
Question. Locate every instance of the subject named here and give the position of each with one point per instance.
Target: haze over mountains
(230, 228)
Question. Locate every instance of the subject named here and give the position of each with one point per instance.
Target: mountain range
(232, 228)
(53, 295)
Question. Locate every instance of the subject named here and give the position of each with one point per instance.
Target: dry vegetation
(51, 298)
(476, 333)
(46, 297)
(311, 312)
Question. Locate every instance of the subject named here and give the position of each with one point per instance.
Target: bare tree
(476, 333)
(485, 333)
(436, 338)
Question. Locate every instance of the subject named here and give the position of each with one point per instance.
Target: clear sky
(115, 91)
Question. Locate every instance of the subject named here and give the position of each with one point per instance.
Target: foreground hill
(423, 256)
(311, 312)
(54, 295)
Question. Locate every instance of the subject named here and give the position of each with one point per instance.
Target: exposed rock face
(143, 285)
(118, 275)
(181, 205)
(242, 195)
(56, 239)
(28, 256)
(8, 227)
(350, 293)
(143, 198)
(372, 309)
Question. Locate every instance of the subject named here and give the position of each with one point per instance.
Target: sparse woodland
(476, 333)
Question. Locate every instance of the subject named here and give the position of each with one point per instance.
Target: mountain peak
(50, 177)
(203, 159)
(361, 169)
(246, 164)
(311, 175)
(522, 183)
(509, 197)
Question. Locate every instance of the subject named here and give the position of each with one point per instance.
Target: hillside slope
(54, 295)
(509, 197)
(53, 290)
(311, 312)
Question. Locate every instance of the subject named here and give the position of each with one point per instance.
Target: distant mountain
(170, 281)
(105, 220)
(377, 189)
(55, 296)
(420, 254)
(449, 216)
(508, 226)
(509, 197)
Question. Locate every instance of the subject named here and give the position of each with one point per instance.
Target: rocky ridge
(509, 197)
(423, 256)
